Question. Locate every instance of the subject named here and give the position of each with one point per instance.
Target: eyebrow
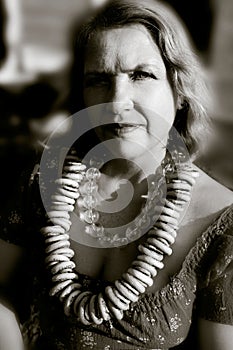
(95, 72)
(137, 68)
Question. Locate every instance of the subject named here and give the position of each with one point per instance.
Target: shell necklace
(91, 308)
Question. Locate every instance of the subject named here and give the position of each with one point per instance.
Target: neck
(118, 171)
(138, 170)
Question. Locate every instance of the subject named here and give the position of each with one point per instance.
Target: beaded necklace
(91, 308)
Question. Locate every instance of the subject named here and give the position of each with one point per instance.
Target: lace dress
(162, 320)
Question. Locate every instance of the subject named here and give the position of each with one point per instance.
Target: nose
(121, 98)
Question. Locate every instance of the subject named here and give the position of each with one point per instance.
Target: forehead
(122, 48)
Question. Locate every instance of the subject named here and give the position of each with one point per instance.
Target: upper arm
(214, 336)
(215, 298)
(11, 257)
(10, 336)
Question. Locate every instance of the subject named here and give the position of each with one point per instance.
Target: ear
(179, 102)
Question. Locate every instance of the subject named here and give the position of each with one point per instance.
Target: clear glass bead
(116, 238)
(162, 191)
(152, 194)
(152, 183)
(124, 240)
(99, 230)
(80, 202)
(104, 241)
(90, 187)
(93, 174)
(90, 231)
(96, 162)
(89, 201)
(91, 216)
(145, 222)
(130, 233)
(81, 215)
(149, 208)
(142, 221)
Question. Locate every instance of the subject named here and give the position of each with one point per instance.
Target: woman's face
(125, 71)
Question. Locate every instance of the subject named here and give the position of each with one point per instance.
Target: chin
(127, 150)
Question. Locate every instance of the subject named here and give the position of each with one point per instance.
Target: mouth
(119, 129)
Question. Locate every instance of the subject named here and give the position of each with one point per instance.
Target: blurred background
(35, 58)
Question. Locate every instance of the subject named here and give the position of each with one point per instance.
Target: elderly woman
(135, 248)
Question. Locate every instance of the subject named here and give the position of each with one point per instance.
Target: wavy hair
(168, 33)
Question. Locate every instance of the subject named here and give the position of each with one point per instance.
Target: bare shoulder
(209, 197)
(215, 336)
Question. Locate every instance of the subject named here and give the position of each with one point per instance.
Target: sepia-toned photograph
(116, 153)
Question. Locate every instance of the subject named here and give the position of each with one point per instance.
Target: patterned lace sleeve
(215, 299)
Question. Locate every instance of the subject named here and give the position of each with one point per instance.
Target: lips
(119, 129)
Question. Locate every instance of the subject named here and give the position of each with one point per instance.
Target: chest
(110, 263)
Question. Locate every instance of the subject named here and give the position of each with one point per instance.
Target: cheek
(159, 110)
(168, 109)
(161, 102)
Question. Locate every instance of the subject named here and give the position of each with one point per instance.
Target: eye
(142, 75)
(96, 80)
